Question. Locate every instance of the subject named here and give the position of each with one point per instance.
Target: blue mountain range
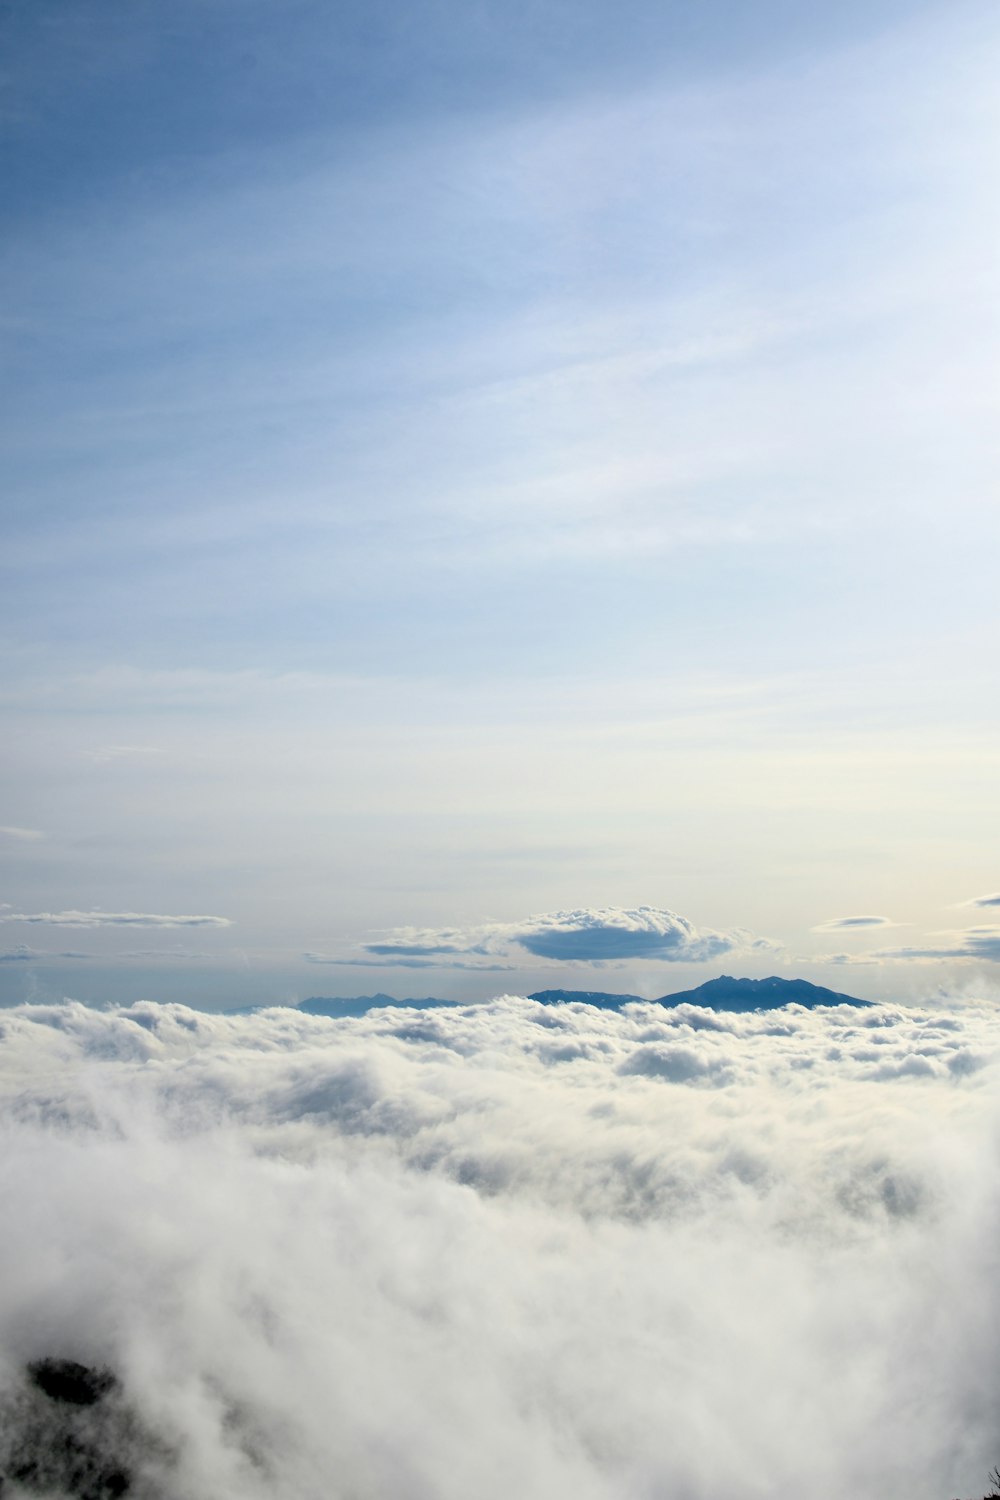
(724, 993)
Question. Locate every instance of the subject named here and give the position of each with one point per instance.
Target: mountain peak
(727, 993)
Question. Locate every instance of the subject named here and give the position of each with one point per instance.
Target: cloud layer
(515, 1249)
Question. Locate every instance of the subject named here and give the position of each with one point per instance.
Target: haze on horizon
(498, 497)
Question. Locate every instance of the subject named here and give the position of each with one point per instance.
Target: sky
(498, 497)
(506, 1249)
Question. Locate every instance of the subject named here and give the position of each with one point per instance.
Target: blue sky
(493, 470)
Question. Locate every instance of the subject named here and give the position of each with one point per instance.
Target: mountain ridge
(722, 993)
(727, 993)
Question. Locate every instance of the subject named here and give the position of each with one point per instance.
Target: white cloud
(111, 919)
(604, 933)
(590, 935)
(514, 1249)
(26, 835)
(847, 924)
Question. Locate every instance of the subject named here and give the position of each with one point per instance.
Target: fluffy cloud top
(591, 935)
(513, 1249)
(111, 919)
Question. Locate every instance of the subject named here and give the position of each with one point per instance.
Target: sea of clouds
(512, 1250)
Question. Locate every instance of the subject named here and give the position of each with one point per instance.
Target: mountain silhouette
(726, 993)
(597, 998)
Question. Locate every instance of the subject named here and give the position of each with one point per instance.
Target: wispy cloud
(404, 962)
(19, 955)
(23, 954)
(157, 953)
(111, 919)
(122, 752)
(25, 834)
(991, 900)
(970, 943)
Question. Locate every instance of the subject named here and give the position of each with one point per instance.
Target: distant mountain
(585, 997)
(726, 993)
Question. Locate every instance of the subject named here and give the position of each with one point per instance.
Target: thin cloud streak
(968, 944)
(406, 963)
(111, 919)
(23, 954)
(20, 954)
(838, 924)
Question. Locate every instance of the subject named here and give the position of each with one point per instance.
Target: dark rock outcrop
(65, 1380)
(66, 1430)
